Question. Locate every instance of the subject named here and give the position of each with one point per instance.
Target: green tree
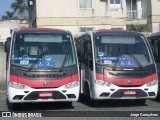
(4, 17)
(20, 7)
(8, 16)
(138, 28)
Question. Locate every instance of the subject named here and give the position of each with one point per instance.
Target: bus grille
(128, 74)
(44, 75)
(120, 93)
(35, 95)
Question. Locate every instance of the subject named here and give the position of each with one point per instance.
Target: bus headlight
(16, 85)
(152, 83)
(72, 85)
(102, 83)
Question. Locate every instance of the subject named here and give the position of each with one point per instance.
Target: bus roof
(116, 31)
(155, 34)
(109, 31)
(28, 30)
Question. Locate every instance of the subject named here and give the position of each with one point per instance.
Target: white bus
(116, 65)
(154, 41)
(41, 67)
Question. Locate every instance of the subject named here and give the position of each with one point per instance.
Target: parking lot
(110, 107)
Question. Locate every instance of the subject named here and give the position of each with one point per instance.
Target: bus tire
(93, 103)
(68, 104)
(86, 91)
(140, 101)
(12, 106)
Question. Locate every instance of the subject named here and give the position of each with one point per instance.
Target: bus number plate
(45, 94)
(129, 92)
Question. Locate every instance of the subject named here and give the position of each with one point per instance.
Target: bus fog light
(152, 83)
(17, 85)
(149, 84)
(72, 85)
(108, 84)
(97, 82)
(102, 83)
(68, 85)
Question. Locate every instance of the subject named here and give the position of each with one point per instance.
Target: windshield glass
(44, 50)
(118, 51)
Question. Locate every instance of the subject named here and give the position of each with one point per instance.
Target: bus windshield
(117, 51)
(42, 50)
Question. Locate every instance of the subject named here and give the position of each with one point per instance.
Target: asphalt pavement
(84, 110)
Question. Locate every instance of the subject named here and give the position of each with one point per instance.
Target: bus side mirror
(7, 45)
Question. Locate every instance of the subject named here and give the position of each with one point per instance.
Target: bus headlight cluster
(72, 85)
(102, 83)
(152, 83)
(17, 85)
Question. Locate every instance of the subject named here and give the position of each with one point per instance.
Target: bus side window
(85, 52)
(158, 53)
(151, 45)
(90, 56)
(156, 50)
(78, 48)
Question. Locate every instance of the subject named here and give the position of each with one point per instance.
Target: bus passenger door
(81, 64)
(86, 60)
(155, 45)
(88, 63)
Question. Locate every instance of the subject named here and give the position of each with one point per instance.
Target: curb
(3, 91)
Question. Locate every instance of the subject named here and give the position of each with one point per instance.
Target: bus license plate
(129, 92)
(45, 94)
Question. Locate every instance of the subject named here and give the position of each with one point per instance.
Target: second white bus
(116, 65)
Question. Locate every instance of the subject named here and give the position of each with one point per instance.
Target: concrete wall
(144, 8)
(5, 28)
(68, 8)
(2, 63)
(67, 15)
(5, 32)
(154, 16)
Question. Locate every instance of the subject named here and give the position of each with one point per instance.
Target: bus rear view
(123, 66)
(42, 67)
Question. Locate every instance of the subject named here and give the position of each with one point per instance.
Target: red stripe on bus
(75, 77)
(114, 31)
(126, 81)
(13, 78)
(44, 83)
(42, 29)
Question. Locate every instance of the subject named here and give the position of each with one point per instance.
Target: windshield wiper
(65, 59)
(139, 64)
(131, 55)
(35, 62)
(116, 62)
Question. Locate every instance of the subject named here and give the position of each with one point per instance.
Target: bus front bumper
(31, 95)
(116, 92)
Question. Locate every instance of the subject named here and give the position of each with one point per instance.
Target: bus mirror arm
(7, 45)
(90, 59)
(91, 64)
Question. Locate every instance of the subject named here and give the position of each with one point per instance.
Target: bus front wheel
(92, 102)
(140, 101)
(13, 106)
(87, 91)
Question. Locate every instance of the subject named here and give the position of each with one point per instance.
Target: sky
(5, 6)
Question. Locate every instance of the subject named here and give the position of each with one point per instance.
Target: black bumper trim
(35, 95)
